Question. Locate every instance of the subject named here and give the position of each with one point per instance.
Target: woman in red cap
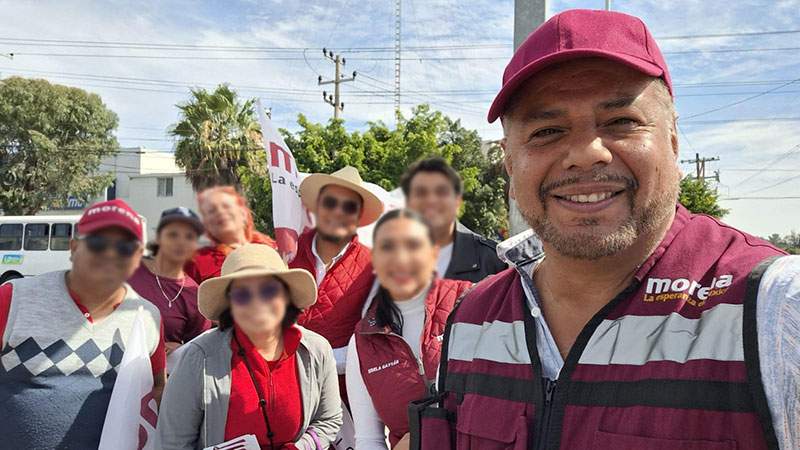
(229, 224)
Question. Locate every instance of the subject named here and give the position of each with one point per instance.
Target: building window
(37, 236)
(164, 187)
(59, 238)
(11, 236)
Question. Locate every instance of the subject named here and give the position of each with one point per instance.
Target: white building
(148, 180)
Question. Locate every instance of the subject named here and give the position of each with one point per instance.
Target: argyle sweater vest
(57, 369)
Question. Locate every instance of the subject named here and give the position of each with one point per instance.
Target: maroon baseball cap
(581, 33)
(112, 213)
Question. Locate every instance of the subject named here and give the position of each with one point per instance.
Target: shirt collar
(316, 255)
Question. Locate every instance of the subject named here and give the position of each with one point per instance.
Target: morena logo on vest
(691, 291)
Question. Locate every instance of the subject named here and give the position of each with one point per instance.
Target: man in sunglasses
(63, 335)
(332, 254)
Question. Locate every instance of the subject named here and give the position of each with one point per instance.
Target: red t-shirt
(158, 360)
(280, 385)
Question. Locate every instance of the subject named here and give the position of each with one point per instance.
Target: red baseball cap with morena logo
(108, 214)
(581, 33)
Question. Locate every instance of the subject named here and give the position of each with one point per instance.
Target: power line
(792, 151)
(790, 197)
(779, 183)
(754, 119)
(719, 35)
(282, 57)
(200, 47)
(739, 102)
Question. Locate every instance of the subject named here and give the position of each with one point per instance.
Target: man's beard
(589, 245)
(334, 239)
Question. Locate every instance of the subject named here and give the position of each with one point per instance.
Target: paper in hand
(246, 442)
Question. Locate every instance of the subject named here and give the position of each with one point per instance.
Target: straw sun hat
(346, 177)
(254, 260)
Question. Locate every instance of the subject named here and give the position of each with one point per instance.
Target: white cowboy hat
(254, 260)
(346, 177)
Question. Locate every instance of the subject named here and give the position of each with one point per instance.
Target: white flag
(132, 413)
(288, 215)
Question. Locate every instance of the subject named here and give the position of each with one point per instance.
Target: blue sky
(143, 85)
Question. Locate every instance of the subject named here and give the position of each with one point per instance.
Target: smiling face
(433, 195)
(592, 149)
(403, 256)
(223, 217)
(338, 211)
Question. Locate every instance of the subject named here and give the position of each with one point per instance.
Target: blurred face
(105, 258)
(258, 304)
(222, 216)
(177, 241)
(403, 257)
(338, 212)
(432, 195)
(592, 149)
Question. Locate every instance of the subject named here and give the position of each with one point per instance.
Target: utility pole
(397, 50)
(528, 15)
(608, 5)
(700, 167)
(335, 98)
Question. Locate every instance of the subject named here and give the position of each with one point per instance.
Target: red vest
(391, 372)
(341, 296)
(671, 362)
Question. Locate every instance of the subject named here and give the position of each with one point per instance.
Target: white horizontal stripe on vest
(636, 340)
(497, 341)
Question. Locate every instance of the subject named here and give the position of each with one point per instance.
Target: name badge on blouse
(246, 442)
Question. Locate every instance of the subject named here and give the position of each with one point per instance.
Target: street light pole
(528, 15)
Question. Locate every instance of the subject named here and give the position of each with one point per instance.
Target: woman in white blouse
(393, 356)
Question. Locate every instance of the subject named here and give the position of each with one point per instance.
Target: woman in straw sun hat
(258, 373)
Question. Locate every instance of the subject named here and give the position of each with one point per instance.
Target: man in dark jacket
(434, 189)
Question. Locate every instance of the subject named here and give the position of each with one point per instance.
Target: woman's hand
(403, 443)
(171, 346)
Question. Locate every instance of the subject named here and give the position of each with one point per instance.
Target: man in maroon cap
(640, 325)
(63, 335)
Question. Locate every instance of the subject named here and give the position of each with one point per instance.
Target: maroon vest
(392, 374)
(671, 362)
(341, 296)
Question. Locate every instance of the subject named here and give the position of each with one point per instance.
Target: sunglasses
(266, 292)
(99, 244)
(350, 207)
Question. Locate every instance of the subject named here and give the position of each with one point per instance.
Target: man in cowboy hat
(332, 254)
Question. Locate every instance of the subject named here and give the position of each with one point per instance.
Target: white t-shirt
(370, 431)
(445, 255)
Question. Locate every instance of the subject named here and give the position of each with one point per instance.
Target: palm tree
(218, 136)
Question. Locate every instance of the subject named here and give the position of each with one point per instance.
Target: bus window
(11, 236)
(37, 236)
(60, 236)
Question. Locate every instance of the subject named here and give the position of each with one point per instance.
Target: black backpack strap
(751, 356)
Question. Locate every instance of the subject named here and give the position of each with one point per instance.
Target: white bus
(31, 245)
